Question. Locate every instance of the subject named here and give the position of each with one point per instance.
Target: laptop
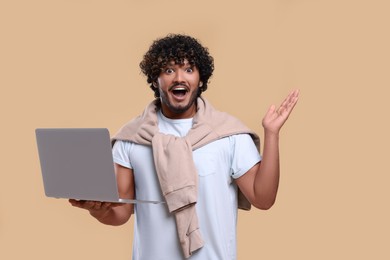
(77, 163)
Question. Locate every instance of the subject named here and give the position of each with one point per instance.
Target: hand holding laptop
(97, 209)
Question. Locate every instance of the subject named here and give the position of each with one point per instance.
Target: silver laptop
(76, 163)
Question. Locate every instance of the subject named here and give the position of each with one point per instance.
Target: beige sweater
(178, 180)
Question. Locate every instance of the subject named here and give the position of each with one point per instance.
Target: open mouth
(179, 91)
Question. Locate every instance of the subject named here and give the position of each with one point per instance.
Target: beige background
(75, 64)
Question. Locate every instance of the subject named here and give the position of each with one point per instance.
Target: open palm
(275, 118)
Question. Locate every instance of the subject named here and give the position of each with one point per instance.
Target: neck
(177, 113)
(169, 113)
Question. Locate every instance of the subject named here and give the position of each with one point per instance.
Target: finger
(73, 202)
(107, 205)
(117, 204)
(76, 203)
(97, 205)
(284, 104)
(90, 204)
(289, 103)
(294, 95)
(290, 97)
(293, 100)
(271, 111)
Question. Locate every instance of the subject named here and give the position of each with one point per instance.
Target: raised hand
(275, 118)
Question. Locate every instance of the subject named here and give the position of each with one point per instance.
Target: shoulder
(122, 145)
(242, 141)
(241, 138)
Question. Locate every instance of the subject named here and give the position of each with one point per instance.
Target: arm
(260, 183)
(114, 214)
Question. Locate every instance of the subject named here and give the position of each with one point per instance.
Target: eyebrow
(186, 64)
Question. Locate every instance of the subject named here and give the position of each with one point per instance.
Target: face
(178, 85)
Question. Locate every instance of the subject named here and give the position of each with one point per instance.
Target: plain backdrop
(68, 63)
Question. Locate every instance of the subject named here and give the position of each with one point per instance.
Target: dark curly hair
(177, 48)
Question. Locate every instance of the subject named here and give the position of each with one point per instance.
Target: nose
(179, 76)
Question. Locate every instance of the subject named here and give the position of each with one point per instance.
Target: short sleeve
(244, 154)
(121, 153)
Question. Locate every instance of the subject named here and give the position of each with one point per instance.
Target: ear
(200, 84)
(155, 84)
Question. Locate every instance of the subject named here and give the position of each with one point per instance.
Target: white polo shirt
(218, 164)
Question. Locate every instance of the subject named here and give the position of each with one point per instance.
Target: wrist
(271, 134)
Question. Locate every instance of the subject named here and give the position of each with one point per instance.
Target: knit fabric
(174, 164)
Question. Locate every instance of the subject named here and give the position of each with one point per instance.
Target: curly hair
(177, 48)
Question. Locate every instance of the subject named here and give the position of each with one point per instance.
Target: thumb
(271, 110)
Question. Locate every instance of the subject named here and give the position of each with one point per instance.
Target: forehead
(174, 63)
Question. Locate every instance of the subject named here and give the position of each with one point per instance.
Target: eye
(168, 70)
(189, 70)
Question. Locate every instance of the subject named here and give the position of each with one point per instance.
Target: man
(182, 151)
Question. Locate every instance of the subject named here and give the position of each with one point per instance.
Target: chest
(212, 160)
